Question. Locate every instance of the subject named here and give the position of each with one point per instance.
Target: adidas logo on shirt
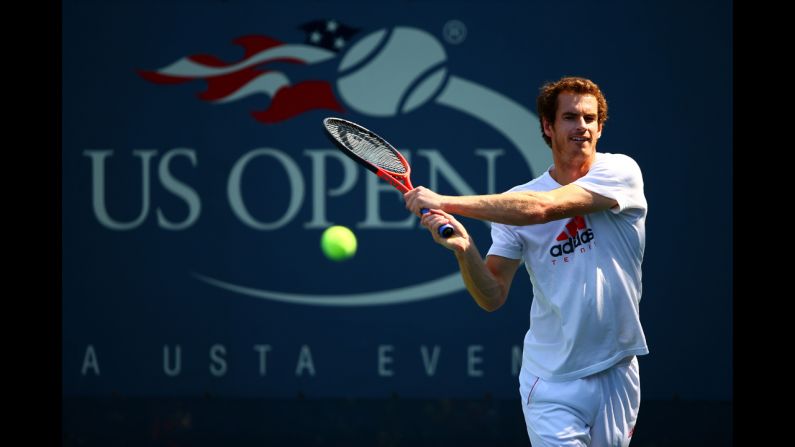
(575, 235)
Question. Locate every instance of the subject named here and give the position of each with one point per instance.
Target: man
(579, 228)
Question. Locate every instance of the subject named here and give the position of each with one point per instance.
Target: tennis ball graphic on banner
(338, 243)
(391, 72)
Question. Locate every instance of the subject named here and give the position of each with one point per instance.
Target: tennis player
(579, 228)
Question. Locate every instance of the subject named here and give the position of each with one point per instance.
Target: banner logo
(383, 73)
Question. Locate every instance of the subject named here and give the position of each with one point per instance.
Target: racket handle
(445, 230)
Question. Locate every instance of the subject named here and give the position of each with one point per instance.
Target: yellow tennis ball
(338, 243)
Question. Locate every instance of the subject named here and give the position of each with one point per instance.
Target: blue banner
(197, 182)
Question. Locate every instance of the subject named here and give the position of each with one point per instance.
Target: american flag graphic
(253, 74)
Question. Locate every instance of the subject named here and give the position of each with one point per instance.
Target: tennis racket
(375, 154)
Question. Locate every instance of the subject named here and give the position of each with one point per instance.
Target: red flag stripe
(297, 99)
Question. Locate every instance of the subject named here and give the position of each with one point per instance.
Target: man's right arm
(487, 281)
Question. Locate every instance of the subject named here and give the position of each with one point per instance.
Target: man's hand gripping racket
(375, 154)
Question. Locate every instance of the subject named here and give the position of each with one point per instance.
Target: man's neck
(567, 171)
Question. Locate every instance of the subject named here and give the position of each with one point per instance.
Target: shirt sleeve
(505, 242)
(618, 177)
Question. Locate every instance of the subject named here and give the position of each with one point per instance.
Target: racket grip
(445, 230)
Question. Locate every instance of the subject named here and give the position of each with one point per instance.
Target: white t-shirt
(586, 275)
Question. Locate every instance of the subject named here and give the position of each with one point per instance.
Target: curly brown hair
(547, 101)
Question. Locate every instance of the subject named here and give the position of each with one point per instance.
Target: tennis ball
(338, 243)
(386, 73)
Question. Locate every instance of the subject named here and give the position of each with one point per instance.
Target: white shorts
(598, 411)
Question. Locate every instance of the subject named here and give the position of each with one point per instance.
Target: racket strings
(370, 148)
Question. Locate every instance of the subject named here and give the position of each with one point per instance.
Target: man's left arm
(514, 208)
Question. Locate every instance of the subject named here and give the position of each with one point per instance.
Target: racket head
(366, 147)
(374, 153)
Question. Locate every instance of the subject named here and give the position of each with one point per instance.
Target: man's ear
(547, 127)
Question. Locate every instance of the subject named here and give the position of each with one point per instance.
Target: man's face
(576, 129)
